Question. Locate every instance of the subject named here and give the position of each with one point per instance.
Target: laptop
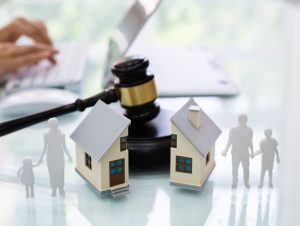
(69, 70)
(179, 70)
(124, 36)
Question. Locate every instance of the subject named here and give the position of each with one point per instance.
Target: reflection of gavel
(135, 89)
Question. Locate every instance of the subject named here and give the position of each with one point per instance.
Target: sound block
(149, 143)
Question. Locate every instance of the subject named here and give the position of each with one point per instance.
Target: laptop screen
(122, 38)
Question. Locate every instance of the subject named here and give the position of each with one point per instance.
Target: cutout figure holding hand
(268, 149)
(27, 176)
(55, 146)
(240, 141)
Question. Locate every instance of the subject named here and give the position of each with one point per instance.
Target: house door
(117, 172)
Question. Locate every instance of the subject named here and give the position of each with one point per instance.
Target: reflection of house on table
(101, 152)
(192, 146)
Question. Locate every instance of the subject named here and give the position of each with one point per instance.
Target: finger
(29, 59)
(33, 30)
(10, 65)
(52, 60)
(42, 32)
(27, 49)
(42, 26)
(4, 46)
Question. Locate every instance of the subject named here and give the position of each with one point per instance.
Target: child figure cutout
(55, 147)
(27, 176)
(240, 141)
(268, 149)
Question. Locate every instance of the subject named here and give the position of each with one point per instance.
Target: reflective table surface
(258, 42)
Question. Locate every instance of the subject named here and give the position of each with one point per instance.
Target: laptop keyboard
(69, 70)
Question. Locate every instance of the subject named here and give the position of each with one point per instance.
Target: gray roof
(201, 138)
(99, 130)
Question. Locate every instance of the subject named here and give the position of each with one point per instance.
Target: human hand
(34, 29)
(39, 162)
(30, 28)
(13, 57)
(224, 153)
(278, 160)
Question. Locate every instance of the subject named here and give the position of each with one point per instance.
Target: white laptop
(178, 70)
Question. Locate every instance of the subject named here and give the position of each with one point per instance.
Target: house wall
(211, 164)
(199, 169)
(114, 153)
(99, 174)
(92, 175)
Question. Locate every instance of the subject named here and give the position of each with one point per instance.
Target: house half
(192, 146)
(101, 150)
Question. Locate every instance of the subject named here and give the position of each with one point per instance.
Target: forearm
(276, 153)
(227, 147)
(258, 152)
(67, 153)
(42, 155)
(19, 171)
(251, 148)
(4, 34)
(37, 164)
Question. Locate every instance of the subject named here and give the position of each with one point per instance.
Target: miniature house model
(192, 146)
(101, 150)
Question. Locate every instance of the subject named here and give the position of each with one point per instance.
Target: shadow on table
(239, 217)
(191, 207)
(131, 209)
(263, 220)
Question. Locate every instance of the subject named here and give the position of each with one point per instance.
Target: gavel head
(136, 87)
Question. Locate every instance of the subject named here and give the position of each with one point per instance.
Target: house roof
(201, 138)
(99, 130)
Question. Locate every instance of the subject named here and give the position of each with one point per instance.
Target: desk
(257, 42)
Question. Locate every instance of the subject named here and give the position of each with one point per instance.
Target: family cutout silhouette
(240, 141)
(55, 147)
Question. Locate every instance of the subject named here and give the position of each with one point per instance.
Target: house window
(88, 160)
(174, 141)
(207, 158)
(183, 164)
(116, 167)
(123, 143)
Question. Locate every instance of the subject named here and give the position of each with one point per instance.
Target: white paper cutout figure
(27, 176)
(268, 149)
(55, 146)
(240, 141)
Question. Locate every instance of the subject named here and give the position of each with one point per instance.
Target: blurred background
(257, 42)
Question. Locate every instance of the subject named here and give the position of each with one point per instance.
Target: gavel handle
(107, 97)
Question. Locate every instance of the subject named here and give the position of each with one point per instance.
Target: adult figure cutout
(55, 146)
(268, 149)
(240, 141)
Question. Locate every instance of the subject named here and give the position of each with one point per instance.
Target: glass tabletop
(256, 41)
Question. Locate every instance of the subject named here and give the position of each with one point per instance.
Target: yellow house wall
(92, 175)
(211, 164)
(200, 171)
(113, 154)
(99, 174)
